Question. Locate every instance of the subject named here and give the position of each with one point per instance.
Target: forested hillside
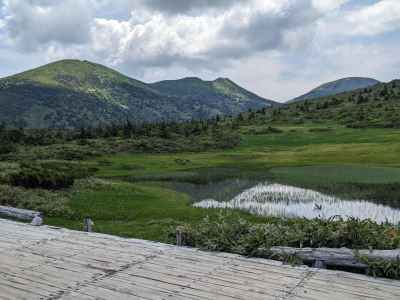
(73, 93)
(377, 106)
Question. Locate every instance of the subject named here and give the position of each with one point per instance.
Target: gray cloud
(185, 6)
(268, 30)
(2, 9)
(33, 24)
(205, 41)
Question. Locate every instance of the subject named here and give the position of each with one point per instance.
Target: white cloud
(33, 24)
(278, 48)
(381, 17)
(156, 39)
(328, 5)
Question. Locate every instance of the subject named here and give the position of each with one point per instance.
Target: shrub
(7, 148)
(50, 203)
(226, 140)
(36, 176)
(264, 130)
(320, 129)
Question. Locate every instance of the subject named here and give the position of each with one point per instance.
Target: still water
(273, 199)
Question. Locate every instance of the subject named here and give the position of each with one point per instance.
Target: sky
(278, 49)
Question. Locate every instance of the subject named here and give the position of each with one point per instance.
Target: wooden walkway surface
(51, 263)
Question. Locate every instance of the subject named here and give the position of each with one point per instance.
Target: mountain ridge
(194, 87)
(74, 93)
(342, 85)
(376, 106)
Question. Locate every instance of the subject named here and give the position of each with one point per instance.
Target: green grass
(259, 153)
(141, 210)
(339, 174)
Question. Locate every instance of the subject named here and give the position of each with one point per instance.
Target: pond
(267, 198)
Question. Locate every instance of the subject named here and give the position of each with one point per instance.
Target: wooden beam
(18, 213)
(343, 257)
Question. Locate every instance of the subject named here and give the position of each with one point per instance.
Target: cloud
(379, 18)
(185, 6)
(328, 5)
(35, 24)
(266, 26)
(203, 40)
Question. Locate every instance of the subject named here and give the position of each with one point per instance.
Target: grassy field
(295, 146)
(147, 210)
(133, 195)
(339, 174)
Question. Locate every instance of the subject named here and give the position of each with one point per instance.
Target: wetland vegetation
(347, 163)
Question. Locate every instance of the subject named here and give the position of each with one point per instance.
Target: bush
(264, 130)
(320, 129)
(226, 140)
(50, 203)
(7, 148)
(35, 176)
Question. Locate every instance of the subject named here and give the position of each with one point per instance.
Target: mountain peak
(342, 85)
(192, 78)
(220, 88)
(223, 79)
(75, 74)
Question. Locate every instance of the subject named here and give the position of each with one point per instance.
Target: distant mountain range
(73, 93)
(337, 87)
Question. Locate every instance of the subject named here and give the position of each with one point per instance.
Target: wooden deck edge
(18, 213)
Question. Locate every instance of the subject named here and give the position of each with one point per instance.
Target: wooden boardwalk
(51, 263)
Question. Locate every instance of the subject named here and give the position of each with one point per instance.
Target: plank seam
(292, 292)
(96, 278)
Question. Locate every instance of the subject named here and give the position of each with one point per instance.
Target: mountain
(374, 106)
(337, 87)
(74, 93)
(217, 95)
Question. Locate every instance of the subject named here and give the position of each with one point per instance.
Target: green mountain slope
(338, 86)
(195, 87)
(220, 94)
(376, 106)
(73, 93)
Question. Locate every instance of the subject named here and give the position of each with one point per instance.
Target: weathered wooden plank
(223, 274)
(48, 263)
(340, 257)
(217, 286)
(18, 213)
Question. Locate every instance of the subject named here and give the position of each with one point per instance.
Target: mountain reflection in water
(272, 199)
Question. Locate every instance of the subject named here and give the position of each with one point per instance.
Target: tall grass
(231, 233)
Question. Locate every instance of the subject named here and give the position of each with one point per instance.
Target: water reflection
(288, 201)
(223, 190)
